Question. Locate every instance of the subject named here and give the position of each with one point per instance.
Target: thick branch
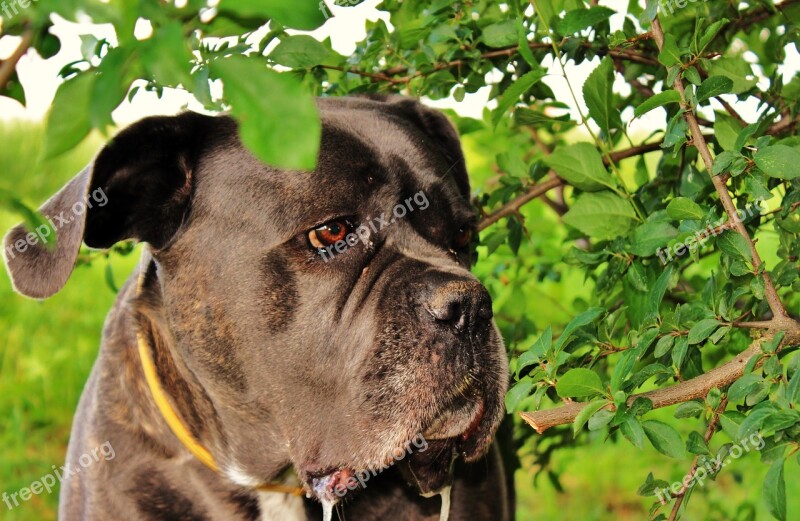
(694, 389)
(699, 142)
(7, 67)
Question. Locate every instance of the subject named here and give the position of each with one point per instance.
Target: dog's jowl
(290, 339)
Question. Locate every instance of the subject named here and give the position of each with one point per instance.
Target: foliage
(657, 293)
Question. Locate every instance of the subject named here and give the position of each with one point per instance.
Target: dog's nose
(464, 305)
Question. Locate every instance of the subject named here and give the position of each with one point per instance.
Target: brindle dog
(280, 350)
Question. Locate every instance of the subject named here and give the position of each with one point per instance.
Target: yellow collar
(174, 421)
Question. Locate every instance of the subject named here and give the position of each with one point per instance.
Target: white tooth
(327, 509)
(444, 515)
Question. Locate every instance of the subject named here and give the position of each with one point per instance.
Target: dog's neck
(179, 386)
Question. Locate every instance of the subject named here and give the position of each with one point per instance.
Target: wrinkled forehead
(369, 160)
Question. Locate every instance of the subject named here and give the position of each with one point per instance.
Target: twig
(735, 115)
(515, 204)
(699, 142)
(7, 67)
(710, 430)
(541, 188)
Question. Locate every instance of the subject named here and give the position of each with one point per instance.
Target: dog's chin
(462, 430)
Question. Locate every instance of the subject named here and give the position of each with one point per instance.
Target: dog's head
(326, 319)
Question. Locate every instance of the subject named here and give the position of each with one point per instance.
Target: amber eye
(463, 237)
(329, 233)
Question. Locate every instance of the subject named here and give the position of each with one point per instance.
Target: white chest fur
(281, 507)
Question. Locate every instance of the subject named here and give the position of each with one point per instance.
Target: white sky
(346, 27)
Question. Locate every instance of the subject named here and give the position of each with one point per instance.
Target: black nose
(464, 305)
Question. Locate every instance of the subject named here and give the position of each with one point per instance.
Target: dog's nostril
(450, 311)
(461, 305)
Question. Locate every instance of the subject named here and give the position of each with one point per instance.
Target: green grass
(47, 350)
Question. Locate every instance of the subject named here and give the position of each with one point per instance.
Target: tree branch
(7, 67)
(515, 204)
(710, 430)
(699, 142)
(541, 188)
(694, 389)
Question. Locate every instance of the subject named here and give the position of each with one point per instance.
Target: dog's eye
(329, 233)
(463, 237)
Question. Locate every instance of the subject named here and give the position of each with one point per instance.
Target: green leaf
(599, 96)
(298, 14)
(578, 383)
(109, 276)
(736, 69)
(726, 130)
(601, 215)
(271, 107)
(710, 32)
(735, 245)
(682, 208)
(664, 438)
(600, 419)
(579, 19)
(670, 54)
(692, 76)
(659, 100)
(501, 34)
(68, 122)
(657, 293)
(723, 161)
(691, 409)
(514, 91)
(775, 491)
(779, 161)
(517, 393)
(754, 421)
(110, 87)
(167, 57)
(581, 166)
(542, 346)
(696, 444)
(702, 330)
(585, 318)
(714, 86)
(743, 386)
(586, 413)
(632, 429)
(664, 345)
(647, 238)
(300, 52)
(32, 218)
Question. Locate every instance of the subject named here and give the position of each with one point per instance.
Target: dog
(300, 328)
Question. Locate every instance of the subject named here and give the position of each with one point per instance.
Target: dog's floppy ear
(436, 126)
(138, 187)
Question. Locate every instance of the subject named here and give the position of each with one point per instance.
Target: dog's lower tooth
(327, 509)
(444, 514)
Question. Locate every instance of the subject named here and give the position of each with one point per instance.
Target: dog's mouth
(426, 465)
